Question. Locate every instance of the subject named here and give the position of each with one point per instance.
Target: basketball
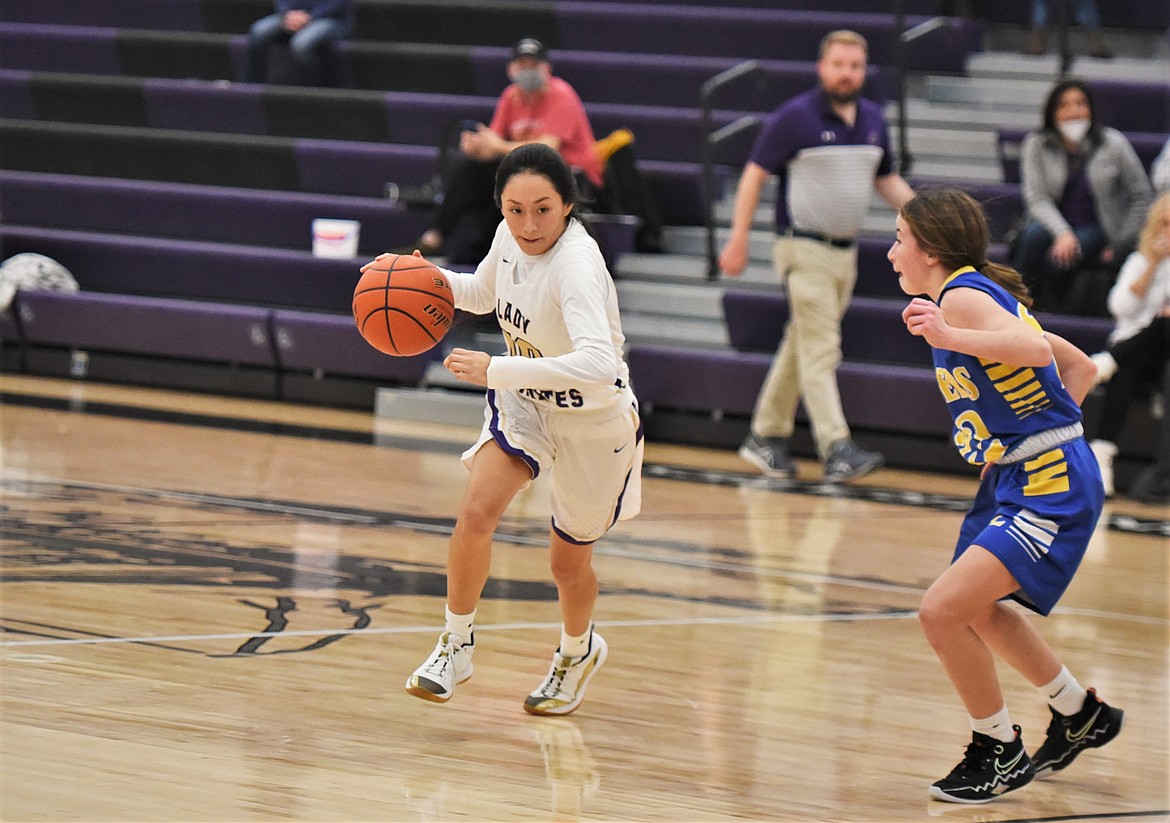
(403, 305)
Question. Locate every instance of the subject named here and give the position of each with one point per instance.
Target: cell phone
(469, 125)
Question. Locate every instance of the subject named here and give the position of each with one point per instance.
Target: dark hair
(951, 225)
(537, 158)
(1054, 100)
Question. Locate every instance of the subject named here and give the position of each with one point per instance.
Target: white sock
(1064, 694)
(999, 726)
(460, 625)
(575, 646)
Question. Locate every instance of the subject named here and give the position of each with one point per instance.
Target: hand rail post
(708, 141)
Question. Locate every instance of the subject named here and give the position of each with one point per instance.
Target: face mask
(529, 80)
(1073, 131)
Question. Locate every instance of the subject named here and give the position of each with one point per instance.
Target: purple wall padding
(308, 342)
(149, 326)
(78, 49)
(363, 169)
(200, 105)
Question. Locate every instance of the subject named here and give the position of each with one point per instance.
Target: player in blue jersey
(1014, 392)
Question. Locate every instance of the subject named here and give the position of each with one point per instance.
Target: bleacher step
(432, 405)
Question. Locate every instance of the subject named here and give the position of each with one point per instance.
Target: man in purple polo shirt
(829, 148)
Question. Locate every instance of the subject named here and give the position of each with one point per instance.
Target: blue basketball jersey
(995, 406)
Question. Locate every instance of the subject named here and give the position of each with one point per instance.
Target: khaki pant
(819, 280)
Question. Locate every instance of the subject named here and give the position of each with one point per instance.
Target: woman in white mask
(1086, 195)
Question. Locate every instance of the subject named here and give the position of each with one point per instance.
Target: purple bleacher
(170, 15)
(746, 33)
(81, 49)
(678, 188)
(1089, 334)
(150, 326)
(900, 399)
(925, 7)
(187, 211)
(670, 133)
(424, 119)
(188, 269)
(1133, 105)
(871, 330)
(9, 333)
(329, 344)
(875, 276)
(16, 99)
(362, 169)
(204, 106)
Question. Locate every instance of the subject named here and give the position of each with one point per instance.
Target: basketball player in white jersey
(558, 401)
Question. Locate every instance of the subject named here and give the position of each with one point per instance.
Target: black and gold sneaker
(989, 768)
(1068, 735)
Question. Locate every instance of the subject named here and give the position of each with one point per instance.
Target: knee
(937, 617)
(572, 569)
(478, 517)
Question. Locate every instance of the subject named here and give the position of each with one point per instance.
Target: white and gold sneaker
(564, 688)
(449, 663)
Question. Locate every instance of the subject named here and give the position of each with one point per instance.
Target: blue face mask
(529, 80)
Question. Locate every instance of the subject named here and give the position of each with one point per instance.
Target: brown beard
(843, 99)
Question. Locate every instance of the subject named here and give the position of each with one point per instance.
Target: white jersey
(559, 315)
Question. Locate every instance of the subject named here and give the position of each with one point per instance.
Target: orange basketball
(403, 305)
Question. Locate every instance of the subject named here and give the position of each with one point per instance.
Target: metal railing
(710, 140)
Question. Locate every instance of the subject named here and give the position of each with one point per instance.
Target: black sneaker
(1068, 735)
(848, 461)
(988, 769)
(769, 455)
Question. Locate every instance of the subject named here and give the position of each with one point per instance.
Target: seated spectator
(1086, 195)
(1087, 17)
(1160, 170)
(307, 26)
(1139, 347)
(536, 107)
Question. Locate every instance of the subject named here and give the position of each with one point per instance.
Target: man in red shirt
(535, 108)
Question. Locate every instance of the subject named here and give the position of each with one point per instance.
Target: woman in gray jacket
(1086, 194)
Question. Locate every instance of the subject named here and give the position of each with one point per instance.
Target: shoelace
(555, 678)
(971, 757)
(441, 662)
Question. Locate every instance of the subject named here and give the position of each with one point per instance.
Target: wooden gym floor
(210, 606)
